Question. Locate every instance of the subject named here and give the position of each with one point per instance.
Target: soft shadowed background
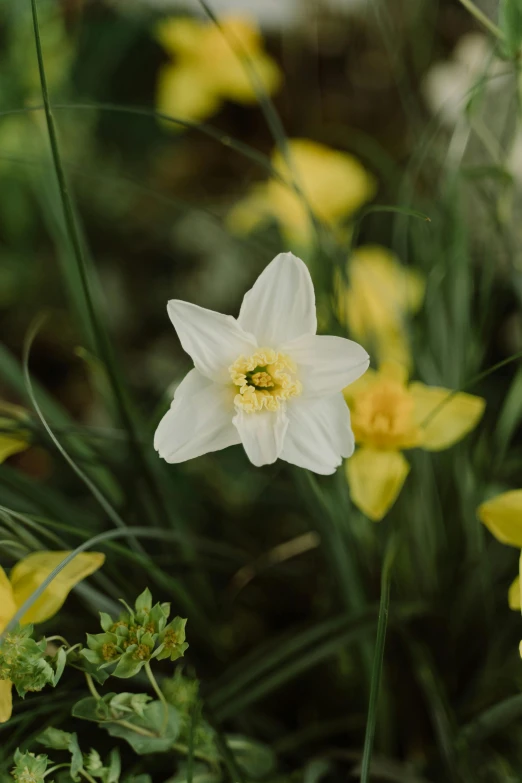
(418, 93)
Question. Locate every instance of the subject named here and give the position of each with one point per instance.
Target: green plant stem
(159, 694)
(56, 766)
(481, 17)
(59, 639)
(86, 775)
(377, 663)
(132, 726)
(92, 686)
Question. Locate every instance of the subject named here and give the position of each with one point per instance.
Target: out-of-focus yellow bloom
(25, 577)
(207, 68)
(380, 294)
(502, 516)
(390, 415)
(332, 185)
(12, 438)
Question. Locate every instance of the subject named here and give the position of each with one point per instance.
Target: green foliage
(28, 767)
(149, 733)
(25, 663)
(511, 26)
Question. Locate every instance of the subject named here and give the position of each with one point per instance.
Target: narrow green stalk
(377, 664)
(159, 694)
(73, 234)
(56, 766)
(481, 17)
(86, 775)
(92, 687)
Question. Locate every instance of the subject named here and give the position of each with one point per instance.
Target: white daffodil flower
(265, 379)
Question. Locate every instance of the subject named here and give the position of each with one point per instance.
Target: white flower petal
(281, 304)
(262, 434)
(213, 340)
(326, 365)
(199, 420)
(319, 434)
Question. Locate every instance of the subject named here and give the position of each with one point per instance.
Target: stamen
(264, 380)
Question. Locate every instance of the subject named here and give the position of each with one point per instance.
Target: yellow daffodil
(13, 439)
(390, 415)
(502, 516)
(381, 293)
(207, 67)
(332, 185)
(24, 579)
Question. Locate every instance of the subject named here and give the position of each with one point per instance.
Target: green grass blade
(378, 660)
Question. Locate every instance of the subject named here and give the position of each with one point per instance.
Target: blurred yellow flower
(332, 185)
(207, 68)
(25, 577)
(502, 515)
(12, 438)
(390, 415)
(380, 294)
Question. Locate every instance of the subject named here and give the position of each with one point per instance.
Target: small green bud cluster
(28, 767)
(81, 763)
(24, 662)
(138, 636)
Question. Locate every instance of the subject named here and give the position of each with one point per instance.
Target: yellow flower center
(382, 416)
(264, 380)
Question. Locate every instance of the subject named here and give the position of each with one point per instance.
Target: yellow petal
(30, 572)
(514, 595)
(375, 479)
(444, 416)
(182, 93)
(359, 386)
(180, 35)
(381, 292)
(6, 700)
(10, 445)
(7, 601)
(502, 515)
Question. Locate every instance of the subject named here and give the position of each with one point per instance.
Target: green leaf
(76, 757)
(130, 703)
(128, 665)
(159, 740)
(59, 663)
(114, 770)
(106, 621)
(54, 738)
(511, 25)
(255, 759)
(97, 710)
(144, 601)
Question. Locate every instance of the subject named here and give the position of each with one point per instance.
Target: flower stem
(160, 696)
(92, 686)
(55, 767)
(58, 639)
(86, 775)
(481, 17)
(377, 663)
